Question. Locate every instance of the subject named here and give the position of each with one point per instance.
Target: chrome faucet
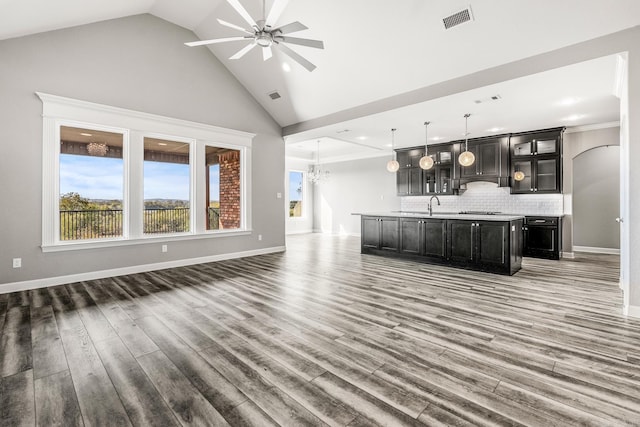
(431, 207)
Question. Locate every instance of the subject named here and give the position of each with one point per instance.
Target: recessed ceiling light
(495, 129)
(286, 67)
(162, 143)
(437, 138)
(361, 138)
(86, 134)
(569, 101)
(574, 117)
(388, 145)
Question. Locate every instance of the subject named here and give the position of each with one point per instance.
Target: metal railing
(105, 223)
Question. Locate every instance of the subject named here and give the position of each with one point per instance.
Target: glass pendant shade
(393, 165)
(466, 158)
(518, 175)
(426, 162)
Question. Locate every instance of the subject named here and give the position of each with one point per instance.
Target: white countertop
(444, 215)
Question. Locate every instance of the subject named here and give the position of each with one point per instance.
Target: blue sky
(295, 182)
(102, 178)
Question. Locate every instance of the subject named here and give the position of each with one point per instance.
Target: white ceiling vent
(274, 95)
(458, 18)
(491, 98)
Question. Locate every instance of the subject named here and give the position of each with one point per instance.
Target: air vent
(490, 99)
(458, 18)
(274, 95)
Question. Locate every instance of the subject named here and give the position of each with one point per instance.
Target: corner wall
(138, 63)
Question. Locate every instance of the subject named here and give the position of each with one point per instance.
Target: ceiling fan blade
(318, 44)
(290, 28)
(212, 41)
(296, 57)
(275, 12)
(266, 53)
(243, 51)
(234, 26)
(242, 12)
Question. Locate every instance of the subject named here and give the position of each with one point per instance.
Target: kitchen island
(491, 243)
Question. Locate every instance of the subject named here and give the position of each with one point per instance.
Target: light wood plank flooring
(324, 335)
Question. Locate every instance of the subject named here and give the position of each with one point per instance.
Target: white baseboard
(92, 275)
(568, 255)
(632, 311)
(595, 250)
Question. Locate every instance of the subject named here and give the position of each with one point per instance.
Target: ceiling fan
(264, 35)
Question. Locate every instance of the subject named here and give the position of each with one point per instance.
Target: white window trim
(57, 110)
(304, 196)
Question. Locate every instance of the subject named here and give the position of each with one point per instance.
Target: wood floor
(323, 335)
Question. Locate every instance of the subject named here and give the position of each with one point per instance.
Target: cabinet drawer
(540, 220)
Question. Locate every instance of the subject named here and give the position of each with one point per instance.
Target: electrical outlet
(17, 262)
(279, 195)
(259, 236)
(164, 248)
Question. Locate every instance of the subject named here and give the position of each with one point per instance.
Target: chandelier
(97, 149)
(315, 174)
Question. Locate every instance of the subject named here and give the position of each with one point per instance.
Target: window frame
(304, 213)
(135, 126)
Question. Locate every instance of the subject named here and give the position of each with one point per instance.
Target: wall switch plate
(259, 236)
(17, 262)
(279, 195)
(164, 248)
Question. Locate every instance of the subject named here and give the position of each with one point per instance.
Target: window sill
(112, 243)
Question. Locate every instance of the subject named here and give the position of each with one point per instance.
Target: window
(296, 194)
(167, 182)
(112, 177)
(91, 187)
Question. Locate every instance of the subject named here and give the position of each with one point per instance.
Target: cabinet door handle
(535, 189)
(531, 189)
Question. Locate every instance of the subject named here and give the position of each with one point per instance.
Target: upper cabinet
(440, 179)
(536, 162)
(492, 159)
(409, 176)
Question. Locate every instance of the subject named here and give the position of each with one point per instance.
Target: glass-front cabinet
(439, 179)
(536, 162)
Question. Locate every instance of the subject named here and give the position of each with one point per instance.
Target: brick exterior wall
(230, 189)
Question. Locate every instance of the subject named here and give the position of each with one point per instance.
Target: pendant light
(518, 175)
(315, 173)
(393, 165)
(426, 162)
(467, 157)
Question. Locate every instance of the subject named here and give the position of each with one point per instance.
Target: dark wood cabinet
(485, 245)
(491, 160)
(425, 237)
(493, 246)
(536, 162)
(542, 237)
(409, 176)
(440, 178)
(380, 233)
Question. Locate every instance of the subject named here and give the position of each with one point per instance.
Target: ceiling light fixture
(393, 165)
(86, 134)
(518, 175)
(467, 157)
(97, 149)
(426, 161)
(315, 174)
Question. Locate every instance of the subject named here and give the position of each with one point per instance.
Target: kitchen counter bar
(491, 243)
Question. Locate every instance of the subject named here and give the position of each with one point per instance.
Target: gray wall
(576, 143)
(139, 63)
(596, 198)
(354, 186)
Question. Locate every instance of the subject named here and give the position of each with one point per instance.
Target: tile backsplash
(486, 196)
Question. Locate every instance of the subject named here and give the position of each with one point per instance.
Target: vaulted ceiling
(376, 49)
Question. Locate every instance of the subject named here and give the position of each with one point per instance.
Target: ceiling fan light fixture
(264, 39)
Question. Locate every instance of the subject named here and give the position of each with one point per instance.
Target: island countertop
(443, 215)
